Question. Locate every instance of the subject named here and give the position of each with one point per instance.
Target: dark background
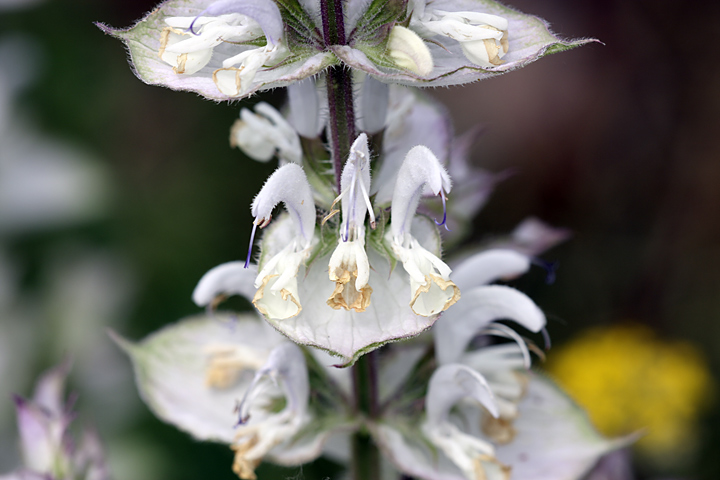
(619, 142)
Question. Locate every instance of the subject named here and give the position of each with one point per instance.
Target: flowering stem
(365, 455)
(333, 20)
(342, 116)
(339, 88)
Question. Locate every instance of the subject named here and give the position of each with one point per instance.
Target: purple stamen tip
(444, 220)
(252, 239)
(192, 26)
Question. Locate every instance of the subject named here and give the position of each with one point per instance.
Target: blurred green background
(618, 142)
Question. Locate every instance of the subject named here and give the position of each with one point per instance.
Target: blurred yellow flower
(630, 380)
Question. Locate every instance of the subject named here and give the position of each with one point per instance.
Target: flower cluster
(233, 48)
(355, 262)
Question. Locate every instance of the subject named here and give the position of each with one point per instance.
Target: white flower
(277, 294)
(449, 385)
(431, 289)
(188, 42)
(283, 378)
(204, 373)
(220, 49)
(234, 80)
(483, 37)
(262, 134)
(349, 267)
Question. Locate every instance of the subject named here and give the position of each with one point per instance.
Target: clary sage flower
(355, 262)
(232, 48)
(46, 444)
(234, 380)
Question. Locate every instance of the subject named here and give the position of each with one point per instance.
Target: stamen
(252, 239)
(444, 220)
(366, 197)
(500, 330)
(192, 24)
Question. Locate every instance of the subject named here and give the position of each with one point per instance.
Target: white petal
(409, 51)
(420, 173)
(285, 363)
(230, 278)
(304, 105)
(480, 306)
(265, 12)
(451, 383)
(374, 104)
(533, 236)
(261, 134)
(355, 188)
(288, 184)
(489, 266)
(183, 62)
(49, 390)
(40, 436)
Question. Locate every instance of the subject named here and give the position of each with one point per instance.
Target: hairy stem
(341, 124)
(341, 113)
(365, 454)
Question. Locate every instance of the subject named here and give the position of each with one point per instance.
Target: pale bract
(230, 49)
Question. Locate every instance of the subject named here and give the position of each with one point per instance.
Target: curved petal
(532, 237)
(231, 278)
(480, 306)
(265, 12)
(489, 266)
(420, 174)
(287, 184)
(451, 383)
